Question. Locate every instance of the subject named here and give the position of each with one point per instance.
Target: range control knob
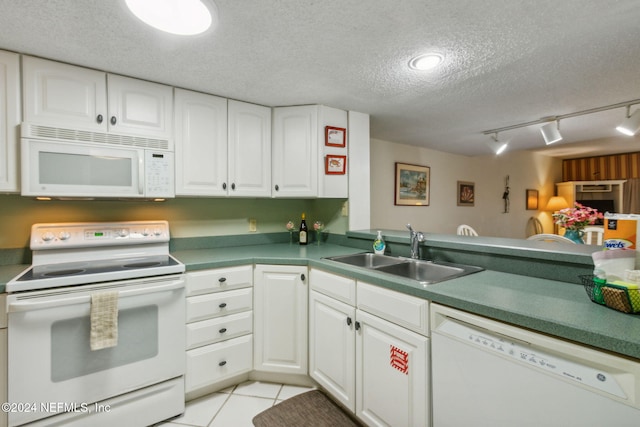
(64, 235)
(122, 232)
(157, 231)
(48, 236)
(146, 232)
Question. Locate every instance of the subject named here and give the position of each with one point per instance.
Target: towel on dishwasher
(104, 320)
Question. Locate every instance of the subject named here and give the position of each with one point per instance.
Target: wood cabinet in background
(9, 121)
(602, 193)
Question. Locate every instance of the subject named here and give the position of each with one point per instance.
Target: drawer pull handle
(223, 330)
(349, 321)
(303, 277)
(357, 326)
(224, 362)
(222, 279)
(99, 119)
(114, 120)
(223, 305)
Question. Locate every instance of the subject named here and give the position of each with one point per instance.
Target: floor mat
(310, 409)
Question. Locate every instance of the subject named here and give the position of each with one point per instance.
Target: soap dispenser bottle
(379, 245)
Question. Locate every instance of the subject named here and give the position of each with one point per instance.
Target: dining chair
(466, 230)
(550, 238)
(534, 226)
(594, 235)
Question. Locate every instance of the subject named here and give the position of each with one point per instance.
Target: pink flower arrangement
(576, 218)
(290, 226)
(318, 225)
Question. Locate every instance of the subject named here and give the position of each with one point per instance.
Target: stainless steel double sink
(425, 272)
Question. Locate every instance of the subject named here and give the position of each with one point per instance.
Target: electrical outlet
(253, 224)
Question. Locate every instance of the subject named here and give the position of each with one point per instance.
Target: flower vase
(574, 235)
(319, 236)
(291, 237)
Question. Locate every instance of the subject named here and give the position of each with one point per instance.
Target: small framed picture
(412, 185)
(532, 199)
(466, 193)
(335, 165)
(335, 137)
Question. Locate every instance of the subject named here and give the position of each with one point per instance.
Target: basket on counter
(614, 296)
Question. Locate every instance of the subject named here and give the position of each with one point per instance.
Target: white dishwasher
(487, 373)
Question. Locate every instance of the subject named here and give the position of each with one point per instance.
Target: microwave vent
(74, 135)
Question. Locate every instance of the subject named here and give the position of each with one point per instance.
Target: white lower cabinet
(3, 358)
(371, 365)
(280, 319)
(219, 326)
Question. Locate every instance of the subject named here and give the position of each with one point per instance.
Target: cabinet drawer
(220, 279)
(219, 329)
(210, 364)
(208, 306)
(338, 287)
(396, 307)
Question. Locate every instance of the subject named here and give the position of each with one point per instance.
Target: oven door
(52, 368)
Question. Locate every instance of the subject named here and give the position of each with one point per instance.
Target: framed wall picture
(532, 199)
(466, 193)
(335, 165)
(412, 185)
(335, 137)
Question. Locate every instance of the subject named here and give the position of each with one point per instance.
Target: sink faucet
(415, 237)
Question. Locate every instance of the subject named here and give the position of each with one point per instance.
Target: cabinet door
(64, 95)
(138, 107)
(295, 151)
(3, 374)
(391, 374)
(280, 319)
(9, 120)
(249, 150)
(201, 144)
(332, 347)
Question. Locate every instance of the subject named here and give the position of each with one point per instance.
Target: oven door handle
(14, 306)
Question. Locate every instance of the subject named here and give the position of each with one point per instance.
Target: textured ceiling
(506, 61)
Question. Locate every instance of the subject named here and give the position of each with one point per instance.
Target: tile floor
(235, 406)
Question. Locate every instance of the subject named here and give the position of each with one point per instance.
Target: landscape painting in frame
(412, 185)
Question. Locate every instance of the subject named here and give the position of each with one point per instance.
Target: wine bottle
(303, 231)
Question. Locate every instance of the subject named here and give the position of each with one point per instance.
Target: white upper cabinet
(249, 150)
(9, 120)
(295, 145)
(201, 144)
(304, 164)
(64, 95)
(139, 107)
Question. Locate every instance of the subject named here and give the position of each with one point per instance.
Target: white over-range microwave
(76, 164)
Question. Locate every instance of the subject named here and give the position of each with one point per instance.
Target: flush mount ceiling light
(551, 132)
(496, 145)
(631, 125)
(182, 17)
(425, 62)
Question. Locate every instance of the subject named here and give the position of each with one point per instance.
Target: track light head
(631, 125)
(551, 132)
(496, 145)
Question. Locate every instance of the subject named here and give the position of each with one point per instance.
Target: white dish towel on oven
(104, 320)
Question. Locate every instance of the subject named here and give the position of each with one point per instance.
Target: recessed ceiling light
(182, 17)
(425, 62)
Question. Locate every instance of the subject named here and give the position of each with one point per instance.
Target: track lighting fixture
(551, 132)
(496, 145)
(631, 125)
(551, 129)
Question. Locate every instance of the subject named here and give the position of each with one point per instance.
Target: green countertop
(554, 307)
